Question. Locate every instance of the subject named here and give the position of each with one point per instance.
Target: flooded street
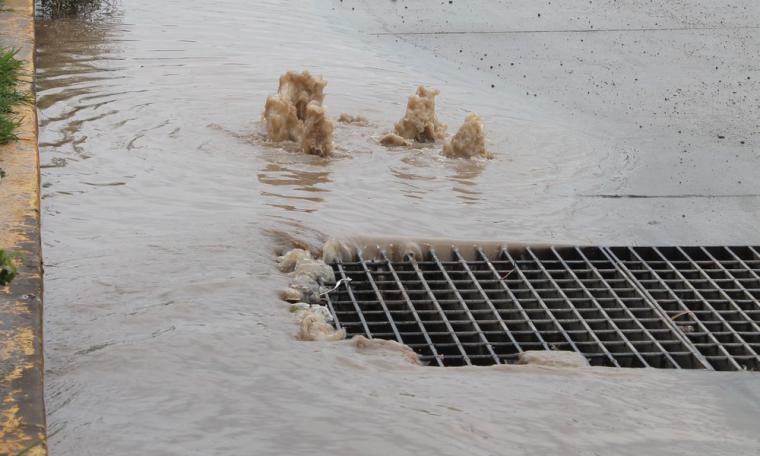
(163, 209)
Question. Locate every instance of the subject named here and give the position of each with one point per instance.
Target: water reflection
(300, 180)
(78, 8)
(84, 65)
(308, 181)
(465, 175)
(412, 184)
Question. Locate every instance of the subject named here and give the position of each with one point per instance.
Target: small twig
(504, 277)
(337, 285)
(680, 314)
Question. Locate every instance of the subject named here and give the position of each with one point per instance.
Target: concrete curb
(22, 410)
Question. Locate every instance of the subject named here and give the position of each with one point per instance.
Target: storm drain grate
(673, 307)
(711, 293)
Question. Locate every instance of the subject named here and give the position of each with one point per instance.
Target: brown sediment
(281, 119)
(354, 120)
(420, 123)
(288, 262)
(394, 140)
(307, 276)
(313, 325)
(362, 343)
(308, 289)
(314, 320)
(335, 250)
(301, 89)
(470, 140)
(553, 358)
(397, 248)
(345, 250)
(291, 295)
(316, 270)
(318, 131)
(295, 113)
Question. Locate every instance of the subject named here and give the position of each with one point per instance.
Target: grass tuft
(62, 8)
(7, 268)
(10, 70)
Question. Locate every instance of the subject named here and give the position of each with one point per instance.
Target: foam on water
(317, 132)
(420, 122)
(354, 120)
(469, 142)
(295, 113)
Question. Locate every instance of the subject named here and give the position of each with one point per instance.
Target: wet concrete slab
(22, 410)
(676, 85)
(163, 211)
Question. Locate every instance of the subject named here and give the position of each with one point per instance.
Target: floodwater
(613, 122)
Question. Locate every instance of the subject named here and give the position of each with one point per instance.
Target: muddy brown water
(162, 210)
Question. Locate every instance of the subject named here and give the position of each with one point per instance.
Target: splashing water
(420, 123)
(469, 142)
(295, 113)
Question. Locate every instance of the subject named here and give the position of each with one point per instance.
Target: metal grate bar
(700, 293)
(453, 288)
(430, 346)
(706, 303)
(380, 298)
(620, 335)
(331, 307)
(513, 301)
(717, 362)
(438, 307)
(660, 326)
(752, 298)
(664, 307)
(540, 301)
(745, 266)
(344, 277)
(728, 275)
(458, 257)
(599, 345)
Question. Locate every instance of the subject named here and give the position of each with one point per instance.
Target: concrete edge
(22, 409)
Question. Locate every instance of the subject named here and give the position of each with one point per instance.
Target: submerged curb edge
(22, 408)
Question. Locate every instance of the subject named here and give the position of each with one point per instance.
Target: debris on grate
(682, 308)
(362, 343)
(288, 262)
(552, 358)
(314, 323)
(308, 275)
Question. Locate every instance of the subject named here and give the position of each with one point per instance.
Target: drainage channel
(660, 307)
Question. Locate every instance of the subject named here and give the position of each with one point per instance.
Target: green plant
(7, 268)
(58, 8)
(10, 69)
